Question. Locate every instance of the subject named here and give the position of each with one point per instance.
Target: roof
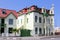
(32, 8)
(7, 12)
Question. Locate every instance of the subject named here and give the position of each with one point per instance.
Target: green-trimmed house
(40, 21)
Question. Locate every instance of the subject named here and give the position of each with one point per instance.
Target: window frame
(36, 30)
(3, 11)
(36, 18)
(40, 20)
(10, 21)
(10, 30)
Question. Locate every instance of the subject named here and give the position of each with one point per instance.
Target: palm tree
(45, 15)
(15, 30)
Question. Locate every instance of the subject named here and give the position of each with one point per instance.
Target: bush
(25, 32)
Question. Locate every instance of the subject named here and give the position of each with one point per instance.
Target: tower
(52, 17)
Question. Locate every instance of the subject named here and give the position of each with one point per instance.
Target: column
(38, 30)
(45, 26)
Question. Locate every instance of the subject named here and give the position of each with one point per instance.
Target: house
(57, 30)
(39, 20)
(7, 21)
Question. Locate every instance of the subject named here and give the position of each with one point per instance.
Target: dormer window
(44, 10)
(3, 11)
(51, 12)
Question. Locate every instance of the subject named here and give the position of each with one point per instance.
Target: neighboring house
(7, 21)
(32, 18)
(57, 30)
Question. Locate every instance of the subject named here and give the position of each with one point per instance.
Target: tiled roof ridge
(35, 8)
(8, 11)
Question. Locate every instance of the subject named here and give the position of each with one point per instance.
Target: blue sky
(20, 4)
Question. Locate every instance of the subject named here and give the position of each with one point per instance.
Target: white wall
(11, 16)
(31, 22)
(20, 21)
(29, 25)
(37, 24)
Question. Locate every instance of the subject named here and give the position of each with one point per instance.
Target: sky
(20, 4)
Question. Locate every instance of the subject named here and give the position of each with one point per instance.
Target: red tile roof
(7, 13)
(32, 8)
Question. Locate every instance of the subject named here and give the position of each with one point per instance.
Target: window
(44, 20)
(10, 30)
(39, 19)
(48, 20)
(21, 21)
(2, 30)
(40, 31)
(3, 11)
(27, 20)
(43, 10)
(35, 18)
(2, 22)
(10, 21)
(51, 20)
(51, 11)
(44, 30)
(36, 30)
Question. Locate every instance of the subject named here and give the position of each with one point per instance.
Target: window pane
(36, 30)
(10, 30)
(10, 21)
(2, 30)
(3, 11)
(39, 19)
(44, 20)
(27, 20)
(40, 31)
(35, 18)
(48, 20)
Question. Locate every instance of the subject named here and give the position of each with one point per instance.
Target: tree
(45, 15)
(15, 30)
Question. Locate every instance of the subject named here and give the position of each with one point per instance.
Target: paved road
(51, 38)
(31, 38)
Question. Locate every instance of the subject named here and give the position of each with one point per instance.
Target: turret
(43, 10)
(52, 9)
(52, 17)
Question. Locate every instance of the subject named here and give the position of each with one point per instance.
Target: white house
(7, 22)
(33, 18)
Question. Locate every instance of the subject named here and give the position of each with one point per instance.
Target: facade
(7, 22)
(39, 20)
